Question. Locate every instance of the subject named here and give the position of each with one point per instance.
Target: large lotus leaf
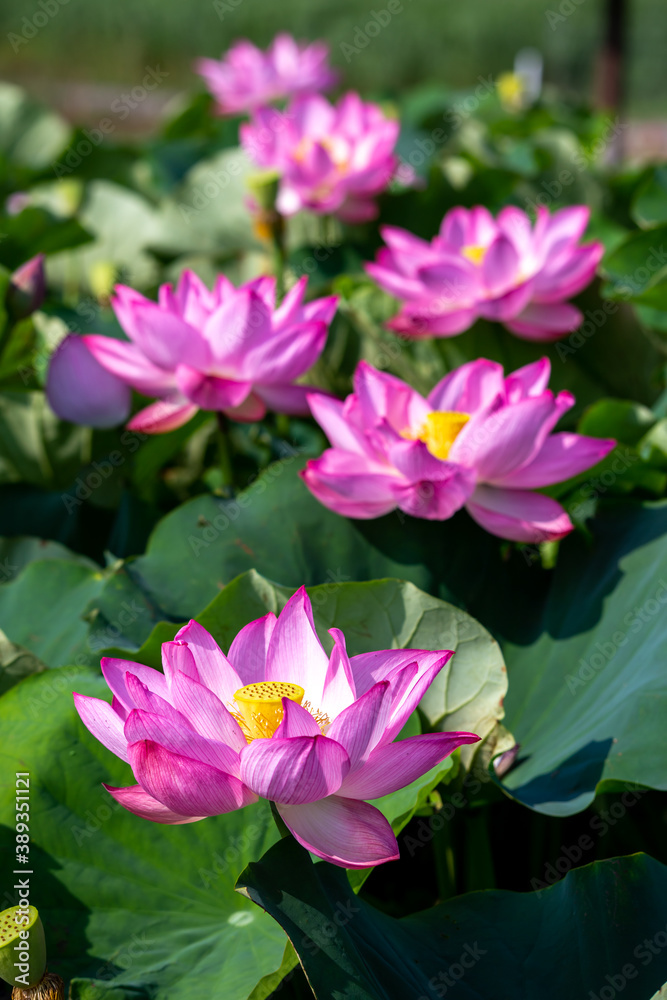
(587, 700)
(587, 934)
(277, 527)
(43, 609)
(138, 908)
(637, 265)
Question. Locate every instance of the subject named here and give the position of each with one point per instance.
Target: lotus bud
(27, 288)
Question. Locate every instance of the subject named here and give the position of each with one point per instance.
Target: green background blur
(445, 41)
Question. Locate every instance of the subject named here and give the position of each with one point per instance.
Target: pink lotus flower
(248, 78)
(332, 159)
(276, 718)
(228, 349)
(502, 269)
(479, 441)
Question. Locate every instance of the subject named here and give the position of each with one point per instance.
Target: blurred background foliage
(442, 41)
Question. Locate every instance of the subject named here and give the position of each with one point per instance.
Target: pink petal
(453, 284)
(114, 672)
(209, 392)
(398, 764)
(289, 310)
(319, 310)
(560, 457)
(166, 339)
(249, 649)
(564, 227)
(506, 307)
(339, 689)
(177, 739)
(531, 380)
(236, 328)
(294, 771)
(545, 322)
(147, 701)
(500, 267)
(570, 275)
(215, 671)
(295, 652)
(177, 655)
(469, 387)
(350, 485)
(384, 396)
(360, 726)
(346, 832)
(137, 800)
(81, 390)
(508, 438)
(205, 712)
(188, 787)
(426, 320)
(519, 515)
(127, 362)
(285, 356)
(251, 409)
(330, 415)
(162, 416)
(392, 281)
(407, 693)
(296, 721)
(292, 399)
(106, 725)
(369, 668)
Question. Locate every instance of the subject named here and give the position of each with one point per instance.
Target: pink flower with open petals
(479, 441)
(228, 349)
(332, 159)
(503, 269)
(248, 78)
(276, 718)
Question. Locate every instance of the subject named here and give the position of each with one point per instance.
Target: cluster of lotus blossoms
(504, 269)
(229, 350)
(333, 159)
(479, 441)
(278, 719)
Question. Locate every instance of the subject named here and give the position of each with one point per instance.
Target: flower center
(475, 254)
(261, 707)
(439, 431)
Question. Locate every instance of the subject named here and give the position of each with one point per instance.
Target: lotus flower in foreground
(502, 269)
(228, 349)
(248, 78)
(332, 159)
(479, 441)
(276, 718)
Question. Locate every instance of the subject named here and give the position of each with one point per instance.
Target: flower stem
(223, 449)
(278, 233)
(282, 829)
